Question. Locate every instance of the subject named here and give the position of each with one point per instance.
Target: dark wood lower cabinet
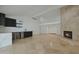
(21, 35)
(13, 36)
(18, 35)
(27, 34)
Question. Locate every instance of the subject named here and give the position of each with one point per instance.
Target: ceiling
(26, 10)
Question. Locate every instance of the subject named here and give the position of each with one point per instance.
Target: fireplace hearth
(68, 34)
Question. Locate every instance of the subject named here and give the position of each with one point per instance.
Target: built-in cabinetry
(21, 35)
(7, 22)
(2, 19)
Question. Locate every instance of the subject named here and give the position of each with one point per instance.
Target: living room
(39, 29)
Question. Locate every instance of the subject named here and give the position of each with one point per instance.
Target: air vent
(34, 18)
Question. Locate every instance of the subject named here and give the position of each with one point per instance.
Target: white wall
(50, 22)
(55, 28)
(28, 23)
(52, 28)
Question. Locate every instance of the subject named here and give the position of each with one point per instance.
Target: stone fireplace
(70, 21)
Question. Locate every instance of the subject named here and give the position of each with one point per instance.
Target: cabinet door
(27, 34)
(2, 21)
(2, 18)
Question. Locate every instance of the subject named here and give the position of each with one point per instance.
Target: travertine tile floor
(42, 44)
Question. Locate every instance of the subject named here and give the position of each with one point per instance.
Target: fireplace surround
(68, 34)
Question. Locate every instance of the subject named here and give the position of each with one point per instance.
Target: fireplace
(68, 34)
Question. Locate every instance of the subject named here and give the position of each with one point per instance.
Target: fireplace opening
(68, 34)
